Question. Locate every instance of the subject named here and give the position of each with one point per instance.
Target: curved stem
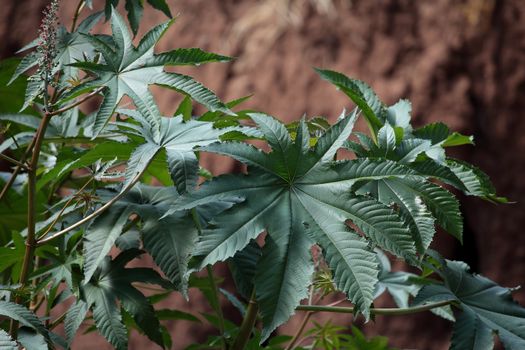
(300, 330)
(76, 103)
(96, 212)
(376, 311)
(79, 8)
(247, 324)
(50, 227)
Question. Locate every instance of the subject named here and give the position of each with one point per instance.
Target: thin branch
(96, 212)
(14, 161)
(79, 8)
(304, 321)
(76, 103)
(50, 227)
(15, 173)
(376, 311)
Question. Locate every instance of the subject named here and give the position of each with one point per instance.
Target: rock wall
(461, 62)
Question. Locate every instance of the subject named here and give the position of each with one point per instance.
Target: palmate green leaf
(6, 343)
(422, 149)
(169, 240)
(129, 70)
(485, 308)
(300, 197)
(113, 281)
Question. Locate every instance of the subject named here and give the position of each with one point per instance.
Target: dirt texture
(460, 62)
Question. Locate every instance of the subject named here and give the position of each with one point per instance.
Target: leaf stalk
(376, 311)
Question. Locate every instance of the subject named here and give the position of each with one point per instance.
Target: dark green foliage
(300, 223)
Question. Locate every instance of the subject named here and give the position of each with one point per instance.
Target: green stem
(216, 304)
(376, 311)
(304, 321)
(247, 325)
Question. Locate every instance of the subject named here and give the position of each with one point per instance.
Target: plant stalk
(376, 311)
(216, 302)
(29, 254)
(304, 322)
(247, 325)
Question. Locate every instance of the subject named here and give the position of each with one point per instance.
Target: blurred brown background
(460, 62)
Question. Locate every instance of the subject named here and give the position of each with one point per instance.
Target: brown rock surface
(461, 62)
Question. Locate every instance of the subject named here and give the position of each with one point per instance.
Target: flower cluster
(47, 46)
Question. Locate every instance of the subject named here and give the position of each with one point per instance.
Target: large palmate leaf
(300, 197)
(113, 281)
(129, 70)
(486, 308)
